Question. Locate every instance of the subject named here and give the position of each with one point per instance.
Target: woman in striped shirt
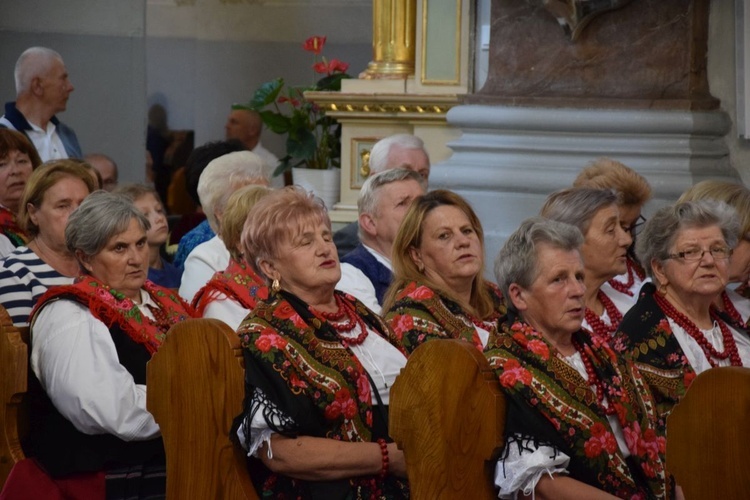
(52, 192)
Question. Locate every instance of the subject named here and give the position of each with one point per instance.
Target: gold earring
(663, 289)
(275, 286)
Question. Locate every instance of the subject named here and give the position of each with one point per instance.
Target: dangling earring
(275, 286)
(663, 289)
(420, 267)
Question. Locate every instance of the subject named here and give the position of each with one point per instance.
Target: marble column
(563, 90)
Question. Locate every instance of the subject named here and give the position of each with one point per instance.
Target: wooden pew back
(195, 389)
(708, 434)
(447, 413)
(14, 367)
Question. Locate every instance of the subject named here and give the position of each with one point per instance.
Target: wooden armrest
(708, 433)
(447, 413)
(195, 390)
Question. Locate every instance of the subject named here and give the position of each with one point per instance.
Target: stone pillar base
(510, 158)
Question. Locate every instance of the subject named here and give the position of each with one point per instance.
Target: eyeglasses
(636, 226)
(695, 254)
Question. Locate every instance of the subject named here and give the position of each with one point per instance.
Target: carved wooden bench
(447, 414)
(708, 434)
(14, 366)
(195, 389)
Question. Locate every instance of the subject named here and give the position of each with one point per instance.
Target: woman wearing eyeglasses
(673, 331)
(733, 305)
(633, 192)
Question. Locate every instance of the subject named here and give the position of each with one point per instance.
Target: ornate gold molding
(374, 106)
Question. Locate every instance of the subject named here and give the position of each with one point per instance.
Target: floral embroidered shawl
(10, 229)
(305, 371)
(238, 282)
(551, 404)
(111, 307)
(421, 314)
(646, 334)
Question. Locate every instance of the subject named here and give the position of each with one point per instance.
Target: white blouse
(75, 360)
(694, 352)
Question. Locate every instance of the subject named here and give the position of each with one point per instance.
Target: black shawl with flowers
(307, 374)
(550, 404)
(646, 334)
(421, 314)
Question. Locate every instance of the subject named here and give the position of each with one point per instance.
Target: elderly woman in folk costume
(90, 341)
(604, 251)
(319, 366)
(633, 191)
(438, 290)
(231, 294)
(580, 421)
(733, 305)
(674, 332)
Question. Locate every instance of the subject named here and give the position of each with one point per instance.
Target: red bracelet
(384, 453)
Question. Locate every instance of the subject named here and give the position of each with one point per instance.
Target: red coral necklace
(730, 346)
(600, 328)
(594, 379)
(344, 320)
(632, 271)
(731, 310)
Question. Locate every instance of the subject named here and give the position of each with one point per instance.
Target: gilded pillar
(393, 39)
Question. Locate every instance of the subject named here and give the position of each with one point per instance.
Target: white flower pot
(326, 184)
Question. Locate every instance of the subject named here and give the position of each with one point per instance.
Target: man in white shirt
(246, 125)
(42, 90)
(384, 199)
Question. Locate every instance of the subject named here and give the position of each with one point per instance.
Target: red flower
(296, 382)
(598, 430)
(363, 389)
(421, 293)
(336, 66)
(297, 321)
(539, 348)
(402, 324)
(263, 343)
(314, 44)
(284, 311)
(320, 67)
(514, 373)
(293, 102)
(593, 447)
(688, 378)
(262, 293)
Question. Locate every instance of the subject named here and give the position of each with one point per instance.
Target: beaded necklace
(731, 310)
(599, 327)
(344, 320)
(632, 271)
(594, 379)
(730, 346)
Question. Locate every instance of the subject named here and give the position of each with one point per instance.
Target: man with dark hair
(196, 164)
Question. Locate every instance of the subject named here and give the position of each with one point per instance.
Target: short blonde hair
(606, 173)
(409, 236)
(736, 196)
(41, 180)
(277, 219)
(238, 207)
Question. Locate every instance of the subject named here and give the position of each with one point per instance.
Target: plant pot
(325, 184)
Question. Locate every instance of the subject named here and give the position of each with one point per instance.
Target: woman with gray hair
(673, 331)
(222, 177)
(577, 424)
(596, 214)
(90, 342)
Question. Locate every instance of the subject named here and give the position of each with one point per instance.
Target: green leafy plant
(313, 139)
